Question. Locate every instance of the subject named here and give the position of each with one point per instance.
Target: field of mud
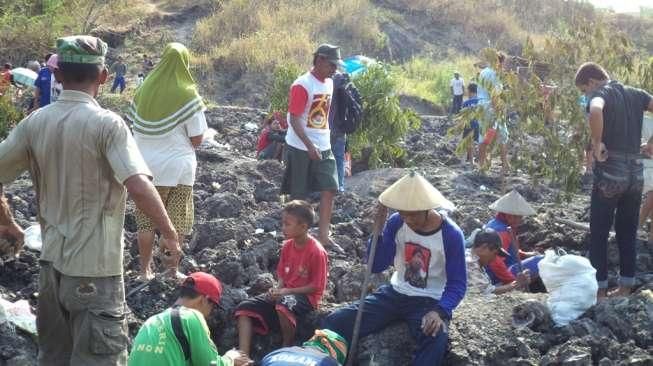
(237, 237)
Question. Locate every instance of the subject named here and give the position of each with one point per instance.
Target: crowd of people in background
(83, 160)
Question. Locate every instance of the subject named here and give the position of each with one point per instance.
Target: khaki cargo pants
(81, 320)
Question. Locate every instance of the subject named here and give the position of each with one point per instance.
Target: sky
(623, 6)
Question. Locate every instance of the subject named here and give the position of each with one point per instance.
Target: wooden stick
(351, 356)
(574, 224)
(138, 288)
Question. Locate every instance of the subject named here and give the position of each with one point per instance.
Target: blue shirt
(471, 102)
(42, 83)
(298, 356)
(487, 76)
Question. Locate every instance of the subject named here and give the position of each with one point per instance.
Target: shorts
(476, 128)
(499, 131)
(264, 312)
(303, 175)
(178, 202)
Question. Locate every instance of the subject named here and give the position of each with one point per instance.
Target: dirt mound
(237, 237)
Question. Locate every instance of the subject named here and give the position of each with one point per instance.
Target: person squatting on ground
(511, 209)
(310, 164)
(272, 139)
(457, 87)
(302, 278)
(428, 253)
(474, 126)
(616, 112)
(180, 334)
(169, 123)
(325, 348)
(81, 157)
(486, 248)
(119, 69)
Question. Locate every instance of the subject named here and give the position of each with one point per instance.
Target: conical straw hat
(414, 193)
(513, 204)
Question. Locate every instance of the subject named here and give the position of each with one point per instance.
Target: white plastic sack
(33, 238)
(19, 314)
(571, 283)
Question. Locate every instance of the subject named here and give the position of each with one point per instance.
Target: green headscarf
(168, 96)
(329, 342)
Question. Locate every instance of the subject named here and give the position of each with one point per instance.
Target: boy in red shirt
(302, 274)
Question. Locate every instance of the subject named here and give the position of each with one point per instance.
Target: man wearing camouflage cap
(81, 158)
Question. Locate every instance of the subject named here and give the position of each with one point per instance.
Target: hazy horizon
(622, 6)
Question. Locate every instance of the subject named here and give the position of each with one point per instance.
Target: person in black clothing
(615, 117)
(338, 137)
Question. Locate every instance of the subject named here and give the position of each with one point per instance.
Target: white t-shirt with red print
(419, 264)
(310, 100)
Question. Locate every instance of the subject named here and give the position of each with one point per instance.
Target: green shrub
(284, 76)
(9, 115)
(385, 123)
(379, 138)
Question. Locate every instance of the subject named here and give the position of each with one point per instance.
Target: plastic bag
(19, 314)
(33, 239)
(571, 283)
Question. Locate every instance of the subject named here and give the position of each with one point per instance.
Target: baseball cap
(330, 52)
(205, 284)
(491, 239)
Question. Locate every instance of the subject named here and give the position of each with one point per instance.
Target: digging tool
(359, 315)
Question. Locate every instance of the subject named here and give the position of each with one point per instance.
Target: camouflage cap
(330, 52)
(81, 50)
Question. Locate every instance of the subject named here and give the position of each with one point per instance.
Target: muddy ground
(237, 237)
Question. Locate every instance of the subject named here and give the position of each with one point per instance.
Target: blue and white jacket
(425, 265)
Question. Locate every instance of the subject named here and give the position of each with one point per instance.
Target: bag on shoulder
(350, 112)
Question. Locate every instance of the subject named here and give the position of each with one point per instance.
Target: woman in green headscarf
(169, 123)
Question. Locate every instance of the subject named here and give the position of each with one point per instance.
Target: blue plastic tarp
(357, 64)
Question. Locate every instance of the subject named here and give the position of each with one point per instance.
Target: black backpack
(350, 108)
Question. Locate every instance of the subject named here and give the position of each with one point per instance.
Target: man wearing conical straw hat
(511, 209)
(427, 251)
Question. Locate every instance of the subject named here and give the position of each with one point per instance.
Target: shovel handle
(353, 351)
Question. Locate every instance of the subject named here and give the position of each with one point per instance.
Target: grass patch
(258, 35)
(426, 79)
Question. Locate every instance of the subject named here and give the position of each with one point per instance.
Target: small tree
(385, 123)
(284, 76)
(553, 150)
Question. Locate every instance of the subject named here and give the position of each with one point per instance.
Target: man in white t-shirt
(457, 87)
(310, 164)
(427, 251)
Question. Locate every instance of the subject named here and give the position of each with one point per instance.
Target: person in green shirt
(180, 335)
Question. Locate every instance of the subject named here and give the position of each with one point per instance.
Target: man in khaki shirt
(81, 157)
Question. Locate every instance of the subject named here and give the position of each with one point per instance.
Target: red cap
(205, 284)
